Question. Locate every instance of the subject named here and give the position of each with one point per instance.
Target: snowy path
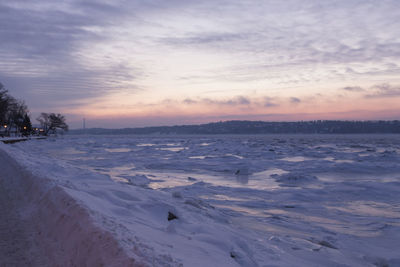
(17, 235)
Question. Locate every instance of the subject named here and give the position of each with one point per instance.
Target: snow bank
(63, 228)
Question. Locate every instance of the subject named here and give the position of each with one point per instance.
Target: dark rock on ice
(176, 194)
(323, 243)
(289, 207)
(171, 216)
(326, 244)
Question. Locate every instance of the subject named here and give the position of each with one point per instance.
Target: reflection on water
(370, 208)
(235, 156)
(222, 197)
(116, 173)
(198, 157)
(340, 177)
(338, 160)
(168, 179)
(205, 144)
(144, 144)
(296, 159)
(118, 150)
(274, 218)
(172, 149)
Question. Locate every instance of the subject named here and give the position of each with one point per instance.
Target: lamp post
(5, 127)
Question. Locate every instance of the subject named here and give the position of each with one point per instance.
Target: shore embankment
(41, 225)
(12, 140)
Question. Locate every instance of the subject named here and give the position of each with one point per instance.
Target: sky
(121, 63)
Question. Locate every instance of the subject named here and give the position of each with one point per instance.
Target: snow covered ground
(294, 200)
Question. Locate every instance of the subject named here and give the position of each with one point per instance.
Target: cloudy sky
(121, 63)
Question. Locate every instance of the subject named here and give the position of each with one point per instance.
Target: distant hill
(260, 127)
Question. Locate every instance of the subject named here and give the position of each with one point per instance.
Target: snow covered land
(289, 200)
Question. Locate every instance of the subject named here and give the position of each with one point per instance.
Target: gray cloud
(235, 101)
(269, 102)
(295, 100)
(353, 89)
(337, 33)
(214, 39)
(189, 101)
(384, 91)
(40, 53)
(240, 100)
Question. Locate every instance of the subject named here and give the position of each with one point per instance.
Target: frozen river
(307, 200)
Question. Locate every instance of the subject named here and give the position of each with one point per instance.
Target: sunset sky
(162, 62)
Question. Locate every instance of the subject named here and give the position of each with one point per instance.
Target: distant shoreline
(257, 128)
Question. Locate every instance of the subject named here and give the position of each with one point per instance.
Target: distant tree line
(14, 118)
(262, 127)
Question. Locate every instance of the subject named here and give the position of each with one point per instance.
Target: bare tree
(17, 110)
(51, 122)
(13, 113)
(3, 104)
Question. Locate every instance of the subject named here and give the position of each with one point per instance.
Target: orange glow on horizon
(338, 107)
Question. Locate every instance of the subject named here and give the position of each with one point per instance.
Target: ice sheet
(296, 200)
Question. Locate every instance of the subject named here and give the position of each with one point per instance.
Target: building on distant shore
(38, 130)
